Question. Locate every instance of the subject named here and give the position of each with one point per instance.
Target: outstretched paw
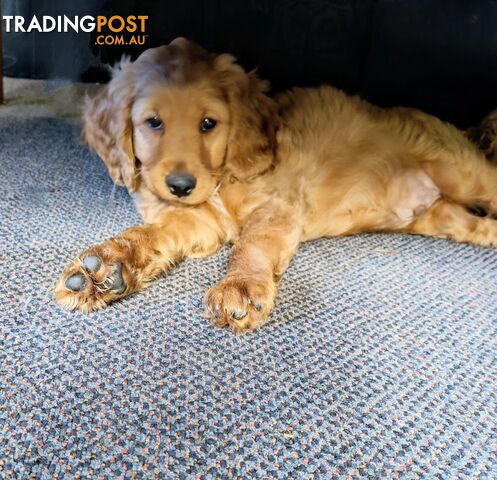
(93, 280)
(240, 303)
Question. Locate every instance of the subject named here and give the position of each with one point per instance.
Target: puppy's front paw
(241, 303)
(94, 279)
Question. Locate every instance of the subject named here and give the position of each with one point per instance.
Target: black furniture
(437, 56)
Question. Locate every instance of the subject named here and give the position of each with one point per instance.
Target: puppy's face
(179, 120)
(180, 135)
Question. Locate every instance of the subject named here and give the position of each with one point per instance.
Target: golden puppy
(209, 158)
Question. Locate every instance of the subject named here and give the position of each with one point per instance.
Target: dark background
(439, 56)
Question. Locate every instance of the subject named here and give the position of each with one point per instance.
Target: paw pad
(239, 314)
(92, 263)
(76, 282)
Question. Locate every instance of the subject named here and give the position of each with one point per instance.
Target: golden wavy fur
(270, 174)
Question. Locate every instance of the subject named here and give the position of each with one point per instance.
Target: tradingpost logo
(115, 30)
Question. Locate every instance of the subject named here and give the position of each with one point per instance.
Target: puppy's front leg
(124, 264)
(244, 298)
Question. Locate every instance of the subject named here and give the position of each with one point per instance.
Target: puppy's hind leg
(446, 219)
(466, 178)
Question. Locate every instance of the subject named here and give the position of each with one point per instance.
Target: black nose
(181, 184)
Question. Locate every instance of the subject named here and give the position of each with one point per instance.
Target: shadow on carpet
(379, 362)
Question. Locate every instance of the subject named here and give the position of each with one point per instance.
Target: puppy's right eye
(154, 123)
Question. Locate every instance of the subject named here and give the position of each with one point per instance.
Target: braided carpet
(380, 361)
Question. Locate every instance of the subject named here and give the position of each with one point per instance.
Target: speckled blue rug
(380, 362)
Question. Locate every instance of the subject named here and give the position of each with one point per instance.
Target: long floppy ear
(252, 138)
(108, 130)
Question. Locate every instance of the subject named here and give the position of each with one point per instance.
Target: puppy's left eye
(207, 124)
(155, 123)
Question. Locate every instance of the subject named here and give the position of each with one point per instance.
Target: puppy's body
(272, 174)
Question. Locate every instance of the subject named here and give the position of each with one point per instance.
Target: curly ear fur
(252, 139)
(485, 136)
(107, 127)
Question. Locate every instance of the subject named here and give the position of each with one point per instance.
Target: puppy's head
(179, 120)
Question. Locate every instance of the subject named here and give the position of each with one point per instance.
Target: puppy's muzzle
(181, 184)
